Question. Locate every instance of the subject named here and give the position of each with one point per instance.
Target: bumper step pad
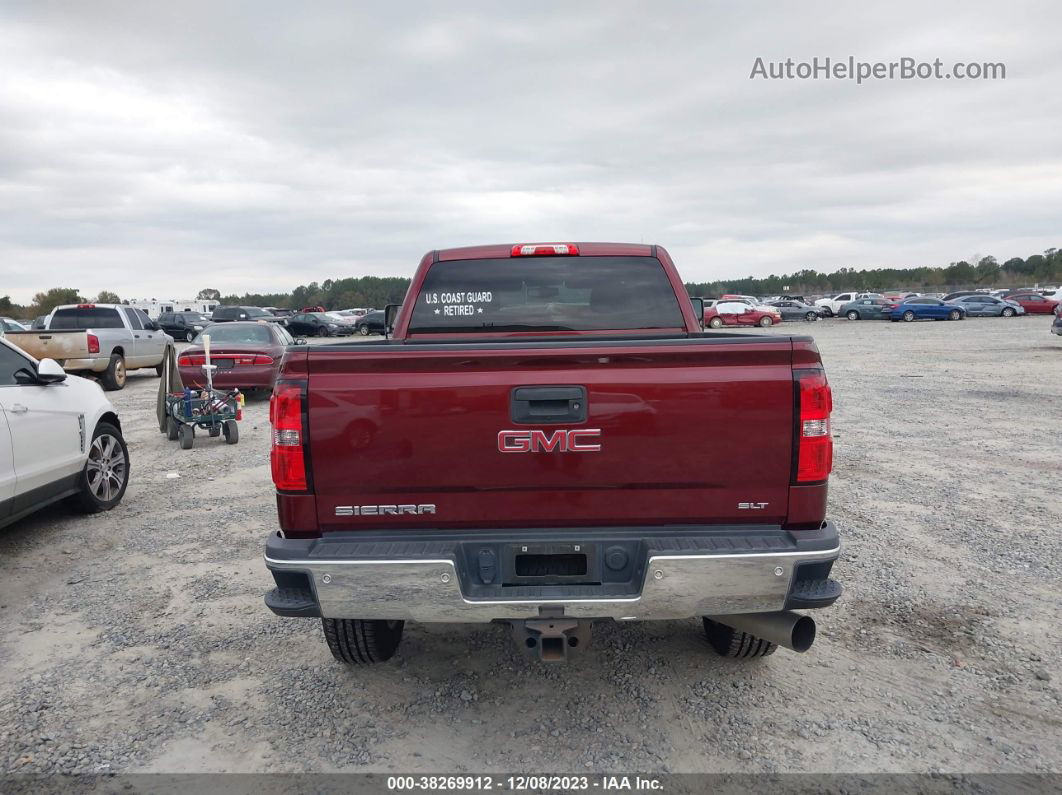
(292, 602)
(809, 594)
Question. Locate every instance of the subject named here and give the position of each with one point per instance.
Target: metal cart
(210, 410)
(214, 411)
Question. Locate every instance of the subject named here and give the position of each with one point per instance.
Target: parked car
(793, 309)
(773, 298)
(833, 305)
(317, 324)
(339, 317)
(376, 529)
(1056, 326)
(867, 309)
(355, 312)
(1033, 303)
(370, 323)
(981, 305)
(60, 438)
(278, 311)
(183, 325)
(107, 340)
(932, 295)
(923, 308)
(230, 314)
(10, 324)
(317, 308)
(246, 353)
(739, 313)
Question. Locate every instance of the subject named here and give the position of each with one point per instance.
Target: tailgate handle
(533, 405)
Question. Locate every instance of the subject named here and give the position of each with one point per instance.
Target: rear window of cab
(545, 294)
(95, 317)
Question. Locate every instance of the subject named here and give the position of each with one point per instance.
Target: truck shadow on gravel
(621, 701)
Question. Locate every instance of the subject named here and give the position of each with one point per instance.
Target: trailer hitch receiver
(552, 639)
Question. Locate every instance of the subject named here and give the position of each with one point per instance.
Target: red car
(247, 355)
(1033, 303)
(737, 313)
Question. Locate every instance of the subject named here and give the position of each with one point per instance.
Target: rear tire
(363, 330)
(231, 431)
(853, 315)
(106, 472)
(729, 642)
(114, 376)
(186, 436)
(357, 641)
(171, 429)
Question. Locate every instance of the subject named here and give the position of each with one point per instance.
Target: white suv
(59, 438)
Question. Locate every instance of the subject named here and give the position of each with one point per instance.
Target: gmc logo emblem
(578, 440)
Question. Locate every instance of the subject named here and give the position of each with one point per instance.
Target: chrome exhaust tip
(784, 628)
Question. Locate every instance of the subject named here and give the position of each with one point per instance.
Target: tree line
(977, 271)
(377, 291)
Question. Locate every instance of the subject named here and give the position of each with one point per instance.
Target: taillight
(814, 443)
(262, 359)
(545, 250)
(287, 459)
(190, 360)
(93, 343)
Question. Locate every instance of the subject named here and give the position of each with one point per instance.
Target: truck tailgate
(58, 345)
(691, 431)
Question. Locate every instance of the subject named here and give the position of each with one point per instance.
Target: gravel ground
(137, 640)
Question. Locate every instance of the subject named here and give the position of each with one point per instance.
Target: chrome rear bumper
(429, 579)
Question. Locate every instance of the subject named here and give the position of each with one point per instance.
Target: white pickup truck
(833, 304)
(105, 340)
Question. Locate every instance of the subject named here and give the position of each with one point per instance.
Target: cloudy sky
(257, 146)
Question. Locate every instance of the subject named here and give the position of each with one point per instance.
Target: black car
(317, 324)
(228, 314)
(183, 325)
(370, 323)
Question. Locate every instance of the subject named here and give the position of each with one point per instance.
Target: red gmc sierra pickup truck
(549, 438)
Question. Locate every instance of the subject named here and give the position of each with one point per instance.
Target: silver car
(792, 309)
(867, 309)
(988, 306)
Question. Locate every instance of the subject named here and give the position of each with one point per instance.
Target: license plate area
(224, 364)
(550, 563)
